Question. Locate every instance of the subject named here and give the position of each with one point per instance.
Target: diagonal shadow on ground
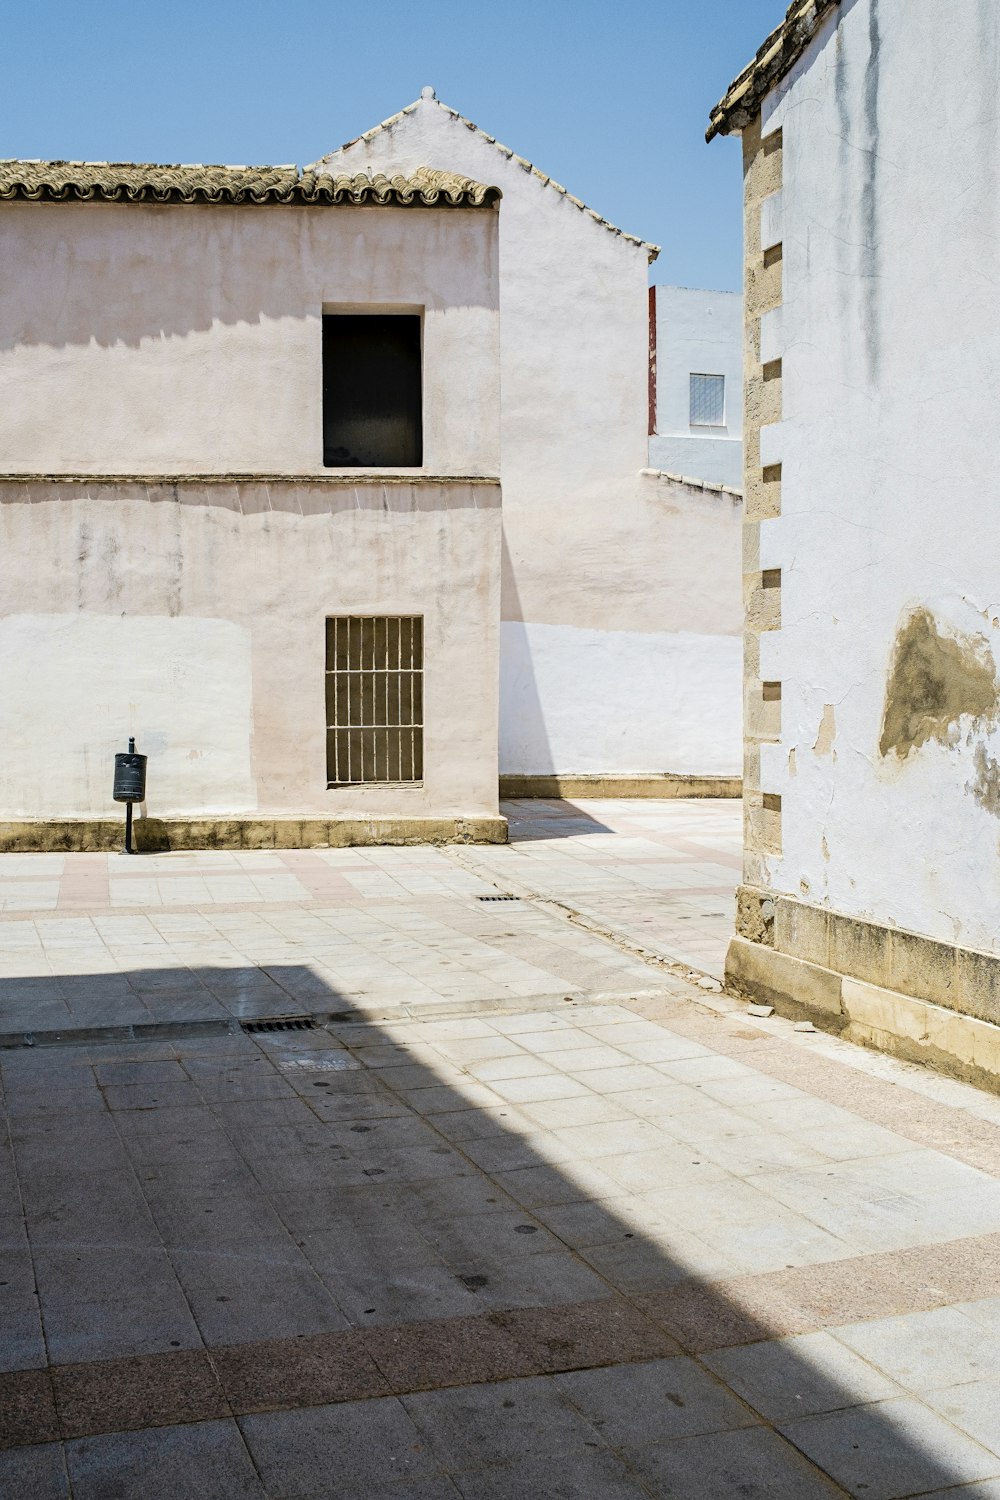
(396, 1253)
(541, 819)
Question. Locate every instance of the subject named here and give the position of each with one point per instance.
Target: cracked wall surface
(872, 595)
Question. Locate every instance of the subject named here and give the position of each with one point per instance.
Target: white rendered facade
(698, 334)
(873, 624)
(173, 544)
(620, 634)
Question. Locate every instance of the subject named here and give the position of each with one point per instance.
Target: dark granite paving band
(39, 1406)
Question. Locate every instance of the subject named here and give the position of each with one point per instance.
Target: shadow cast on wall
(524, 736)
(198, 267)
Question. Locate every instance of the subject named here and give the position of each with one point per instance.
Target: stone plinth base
(659, 784)
(152, 835)
(903, 993)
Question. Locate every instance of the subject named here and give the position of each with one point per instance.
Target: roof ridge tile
(522, 161)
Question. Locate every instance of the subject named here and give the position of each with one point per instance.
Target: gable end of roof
(387, 124)
(773, 59)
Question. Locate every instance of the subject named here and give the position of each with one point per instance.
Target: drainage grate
(279, 1023)
(498, 898)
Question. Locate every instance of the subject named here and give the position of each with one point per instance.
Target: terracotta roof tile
(773, 59)
(132, 182)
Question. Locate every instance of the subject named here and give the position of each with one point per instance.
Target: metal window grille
(374, 699)
(708, 400)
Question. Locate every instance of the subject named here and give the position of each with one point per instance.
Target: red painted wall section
(652, 361)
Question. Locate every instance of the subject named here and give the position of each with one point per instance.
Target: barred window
(708, 400)
(374, 699)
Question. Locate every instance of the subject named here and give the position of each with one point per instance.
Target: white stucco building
(253, 423)
(621, 612)
(249, 504)
(697, 385)
(872, 762)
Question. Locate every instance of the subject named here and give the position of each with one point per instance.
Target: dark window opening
(372, 391)
(374, 699)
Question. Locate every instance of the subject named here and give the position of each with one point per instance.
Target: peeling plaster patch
(826, 849)
(986, 787)
(935, 679)
(827, 732)
(793, 769)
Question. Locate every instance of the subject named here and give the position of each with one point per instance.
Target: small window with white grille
(374, 699)
(708, 400)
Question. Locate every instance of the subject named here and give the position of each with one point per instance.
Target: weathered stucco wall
(600, 719)
(182, 341)
(177, 339)
(883, 768)
(638, 700)
(700, 332)
(193, 616)
(596, 595)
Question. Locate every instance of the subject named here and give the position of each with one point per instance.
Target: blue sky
(610, 100)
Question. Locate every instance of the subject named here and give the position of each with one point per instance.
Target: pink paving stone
(319, 878)
(84, 882)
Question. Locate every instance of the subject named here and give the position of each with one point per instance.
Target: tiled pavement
(483, 1242)
(96, 940)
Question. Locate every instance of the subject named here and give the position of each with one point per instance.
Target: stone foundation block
(792, 986)
(650, 784)
(921, 1032)
(154, 835)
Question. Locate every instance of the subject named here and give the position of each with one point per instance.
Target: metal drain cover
(279, 1023)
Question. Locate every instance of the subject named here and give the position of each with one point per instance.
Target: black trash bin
(130, 785)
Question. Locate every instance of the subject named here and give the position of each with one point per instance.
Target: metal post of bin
(130, 786)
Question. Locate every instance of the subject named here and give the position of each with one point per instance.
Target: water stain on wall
(986, 786)
(935, 679)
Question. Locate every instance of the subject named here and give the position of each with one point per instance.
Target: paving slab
(34, 1473)
(477, 1427)
(754, 1463)
(203, 1461)
(890, 1450)
(362, 1444)
(802, 1376)
(580, 1475)
(646, 1403)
